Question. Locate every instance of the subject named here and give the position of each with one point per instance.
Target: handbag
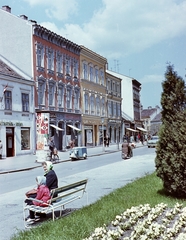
(31, 193)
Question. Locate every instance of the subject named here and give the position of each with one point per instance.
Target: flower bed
(145, 223)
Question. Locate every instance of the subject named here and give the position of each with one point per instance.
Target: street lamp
(102, 121)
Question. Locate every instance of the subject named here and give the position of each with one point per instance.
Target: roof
(9, 69)
(146, 113)
(157, 118)
(5, 69)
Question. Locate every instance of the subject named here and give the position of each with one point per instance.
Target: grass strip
(81, 223)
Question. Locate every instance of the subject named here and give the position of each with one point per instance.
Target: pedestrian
(1, 149)
(43, 194)
(72, 143)
(125, 148)
(107, 141)
(51, 146)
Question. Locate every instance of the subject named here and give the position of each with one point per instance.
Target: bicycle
(54, 157)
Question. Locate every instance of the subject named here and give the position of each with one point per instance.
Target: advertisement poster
(42, 130)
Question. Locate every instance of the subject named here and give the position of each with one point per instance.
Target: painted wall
(16, 41)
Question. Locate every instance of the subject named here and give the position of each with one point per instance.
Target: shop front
(62, 127)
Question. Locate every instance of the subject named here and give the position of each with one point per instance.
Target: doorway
(10, 142)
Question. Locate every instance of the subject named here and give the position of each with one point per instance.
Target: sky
(138, 37)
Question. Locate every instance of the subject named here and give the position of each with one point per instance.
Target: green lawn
(81, 223)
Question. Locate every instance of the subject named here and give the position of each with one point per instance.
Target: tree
(171, 151)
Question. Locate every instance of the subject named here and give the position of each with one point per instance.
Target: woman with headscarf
(51, 177)
(43, 194)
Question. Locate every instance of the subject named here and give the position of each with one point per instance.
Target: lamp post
(102, 121)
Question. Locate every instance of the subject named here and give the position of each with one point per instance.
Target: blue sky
(138, 37)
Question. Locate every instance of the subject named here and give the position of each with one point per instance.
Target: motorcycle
(127, 155)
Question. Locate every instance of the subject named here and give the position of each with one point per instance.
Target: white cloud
(57, 9)
(132, 26)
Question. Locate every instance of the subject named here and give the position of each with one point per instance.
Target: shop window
(25, 138)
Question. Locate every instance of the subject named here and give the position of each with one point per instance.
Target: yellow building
(93, 97)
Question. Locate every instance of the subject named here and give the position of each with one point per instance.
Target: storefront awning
(75, 128)
(133, 130)
(57, 128)
(142, 129)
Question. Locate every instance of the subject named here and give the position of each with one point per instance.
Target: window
(75, 68)
(114, 109)
(69, 96)
(109, 85)
(113, 87)
(118, 109)
(103, 106)
(109, 108)
(67, 66)
(50, 59)
(102, 77)
(41, 83)
(98, 106)
(96, 75)
(51, 94)
(8, 100)
(86, 103)
(40, 93)
(60, 96)
(76, 99)
(25, 138)
(59, 63)
(25, 102)
(91, 73)
(85, 71)
(40, 55)
(92, 104)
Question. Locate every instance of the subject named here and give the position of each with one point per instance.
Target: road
(105, 173)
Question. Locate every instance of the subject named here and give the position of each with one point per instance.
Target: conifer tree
(171, 149)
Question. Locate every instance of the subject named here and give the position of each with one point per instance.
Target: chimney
(6, 8)
(23, 17)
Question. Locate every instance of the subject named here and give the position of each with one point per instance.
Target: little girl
(43, 194)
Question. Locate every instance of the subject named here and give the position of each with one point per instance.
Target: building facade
(93, 97)
(57, 76)
(114, 101)
(17, 111)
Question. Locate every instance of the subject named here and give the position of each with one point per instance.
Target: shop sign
(87, 127)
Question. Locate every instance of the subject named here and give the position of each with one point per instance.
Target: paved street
(108, 178)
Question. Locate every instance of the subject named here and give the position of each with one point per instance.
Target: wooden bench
(59, 198)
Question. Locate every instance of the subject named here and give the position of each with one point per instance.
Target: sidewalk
(26, 162)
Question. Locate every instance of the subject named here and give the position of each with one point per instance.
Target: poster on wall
(42, 125)
(89, 136)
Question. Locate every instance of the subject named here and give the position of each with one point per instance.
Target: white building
(127, 105)
(17, 112)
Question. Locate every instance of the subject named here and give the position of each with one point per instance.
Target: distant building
(151, 118)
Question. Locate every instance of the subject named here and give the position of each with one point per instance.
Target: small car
(153, 141)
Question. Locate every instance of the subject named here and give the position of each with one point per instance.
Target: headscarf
(41, 180)
(48, 165)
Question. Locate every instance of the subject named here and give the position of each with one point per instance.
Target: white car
(153, 141)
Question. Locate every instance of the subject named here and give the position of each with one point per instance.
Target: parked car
(153, 141)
